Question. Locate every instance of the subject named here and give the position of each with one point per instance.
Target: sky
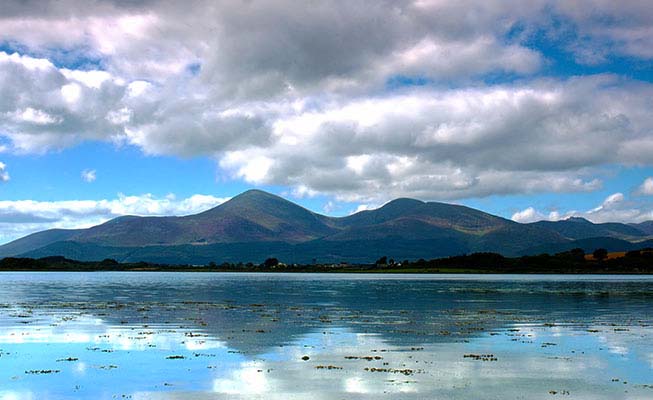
(528, 110)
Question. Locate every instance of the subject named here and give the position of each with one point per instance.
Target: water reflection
(212, 336)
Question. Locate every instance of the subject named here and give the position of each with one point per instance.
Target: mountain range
(256, 225)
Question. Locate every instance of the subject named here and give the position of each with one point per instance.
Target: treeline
(571, 262)
(57, 263)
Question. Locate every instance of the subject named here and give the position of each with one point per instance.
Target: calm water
(213, 336)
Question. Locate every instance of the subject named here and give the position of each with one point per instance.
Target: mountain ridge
(255, 225)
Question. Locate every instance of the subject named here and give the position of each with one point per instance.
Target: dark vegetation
(574, 261)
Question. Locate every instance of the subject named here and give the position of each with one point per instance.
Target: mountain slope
(442, 215)
(36, 240)
(466, 228)
(266, 217)
(252, 216)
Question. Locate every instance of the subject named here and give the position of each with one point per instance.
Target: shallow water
(207, 336)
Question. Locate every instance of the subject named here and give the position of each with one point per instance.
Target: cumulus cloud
(302, 95)
(266, 47)
(45, 107)
(21, 217)
(429, 142)
(89, 175)
(614, 208)
(456, 143)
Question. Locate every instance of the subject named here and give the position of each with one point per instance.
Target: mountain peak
(248, 199)
(403, 202)
(257, 198)
(255, 192)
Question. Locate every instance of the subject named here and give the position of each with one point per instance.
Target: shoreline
(334, 271)
(573, 262)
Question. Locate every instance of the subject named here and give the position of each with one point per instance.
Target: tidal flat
(157, 335)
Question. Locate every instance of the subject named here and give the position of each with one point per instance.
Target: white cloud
(615, 208)
(89, 175)
(527, 215)
(436, 59)
(629, 31)
(137, 88)
(611, 202)
(646, 187)
(530, 214)
(38, 117)
(364, 207)
(71, 92)
(92, 79)
(269, 42)
(448, 144)
(21, 217)
(302, 191)
(4, 175)
(252, 168)
(44, 107)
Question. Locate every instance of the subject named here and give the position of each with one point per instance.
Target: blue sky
(529, 111)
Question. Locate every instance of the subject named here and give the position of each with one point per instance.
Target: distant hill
(646, 227)
(580, 228)
(256, 225)
(589, 245)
